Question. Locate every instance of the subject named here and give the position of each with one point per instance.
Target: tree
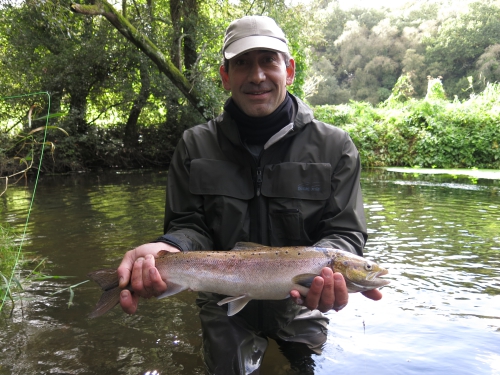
(454, 51)
(488, 64)
(141, 41)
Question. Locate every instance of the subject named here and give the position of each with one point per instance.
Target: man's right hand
(138, 268)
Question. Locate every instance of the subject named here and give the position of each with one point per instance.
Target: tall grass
(8, 261)
(18, 269)
(431, 132)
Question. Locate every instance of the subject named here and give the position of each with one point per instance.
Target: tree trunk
(77, 112)
(175, 49)
(190, 22)
(131, 136)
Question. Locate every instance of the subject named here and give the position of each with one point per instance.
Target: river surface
(438, 235)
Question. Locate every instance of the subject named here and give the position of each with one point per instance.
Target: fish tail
(108, 281)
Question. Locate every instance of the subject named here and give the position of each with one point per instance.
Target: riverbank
(433, 132)
(428, 133)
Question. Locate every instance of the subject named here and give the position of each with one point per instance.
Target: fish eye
(368, 266)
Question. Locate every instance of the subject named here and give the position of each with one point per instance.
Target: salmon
(249, 271)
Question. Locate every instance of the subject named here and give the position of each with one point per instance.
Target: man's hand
(329, 291)
(138, 268)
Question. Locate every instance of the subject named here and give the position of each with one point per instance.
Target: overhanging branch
(103, 8)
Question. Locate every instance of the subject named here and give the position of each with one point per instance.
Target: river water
(438, 235)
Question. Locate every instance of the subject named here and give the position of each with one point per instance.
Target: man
(264, 171)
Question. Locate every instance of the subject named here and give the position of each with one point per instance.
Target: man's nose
(256, 74)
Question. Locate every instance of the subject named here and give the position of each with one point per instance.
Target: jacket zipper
(258, 180)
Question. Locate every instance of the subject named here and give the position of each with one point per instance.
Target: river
(438, 235)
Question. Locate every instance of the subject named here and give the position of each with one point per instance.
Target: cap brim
(252, 43)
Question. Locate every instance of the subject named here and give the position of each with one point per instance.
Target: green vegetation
(18, 269)
(429, 133)
(363, 52)
(125, 81)
(9, 258)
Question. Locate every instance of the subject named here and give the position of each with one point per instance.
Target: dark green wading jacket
(303, 190)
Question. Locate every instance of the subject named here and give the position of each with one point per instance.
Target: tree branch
(103, 8)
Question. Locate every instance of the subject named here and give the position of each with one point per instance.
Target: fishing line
(18, 254)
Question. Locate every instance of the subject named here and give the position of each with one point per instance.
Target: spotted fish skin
(249, 271)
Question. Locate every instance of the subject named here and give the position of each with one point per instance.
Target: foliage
(362, 52)
(8, 260)
(21, 149)
(460, 43)
(118, 110)
(8, 250)
(430, 132)
(17, 270)
(113, 100)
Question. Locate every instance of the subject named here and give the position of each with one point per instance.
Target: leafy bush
(430, 133)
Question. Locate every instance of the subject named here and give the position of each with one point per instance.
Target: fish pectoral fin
(247, 246)
(236, 304)
(304, 279)
(171, 290)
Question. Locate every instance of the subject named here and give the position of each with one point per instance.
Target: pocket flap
(220, 177)
(297, 180)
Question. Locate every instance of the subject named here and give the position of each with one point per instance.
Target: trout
(249, 271)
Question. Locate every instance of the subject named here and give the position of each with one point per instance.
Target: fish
(248, 271)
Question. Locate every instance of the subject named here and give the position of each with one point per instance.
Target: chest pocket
(219, 177)
(226, 189)
(297, 193)
(309, 181)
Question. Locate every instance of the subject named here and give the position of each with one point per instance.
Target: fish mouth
(374, 275)
(374, 279)
(370, 281)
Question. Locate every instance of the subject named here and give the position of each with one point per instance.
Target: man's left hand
(329, 291)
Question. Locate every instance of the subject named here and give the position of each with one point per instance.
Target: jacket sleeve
(343, 224)
(185, 226)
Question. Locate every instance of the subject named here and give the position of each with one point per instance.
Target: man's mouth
(258, 93)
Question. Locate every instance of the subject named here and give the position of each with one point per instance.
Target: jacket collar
(302, 117)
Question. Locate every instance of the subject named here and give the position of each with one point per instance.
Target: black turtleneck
(258, 130)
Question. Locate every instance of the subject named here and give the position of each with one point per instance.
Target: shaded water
(439, 236)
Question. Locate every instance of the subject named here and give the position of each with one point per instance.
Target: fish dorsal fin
(172, 289)
(304, 279)
(236, 304)
(247, 246)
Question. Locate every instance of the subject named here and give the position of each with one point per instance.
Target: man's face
(257, 81)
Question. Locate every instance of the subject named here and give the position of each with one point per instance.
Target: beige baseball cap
(253, 32)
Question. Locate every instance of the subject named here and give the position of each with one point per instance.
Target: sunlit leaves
(430, 133)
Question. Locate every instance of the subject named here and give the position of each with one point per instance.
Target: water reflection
(439, 237)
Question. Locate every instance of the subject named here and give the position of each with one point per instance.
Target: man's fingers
(328, 296)
(297, 298)
(340, 292)
(152, 278)
(136, 280)
(147, 265)
(314, 294)
(373, 294)
(128, 301)
(125, 269)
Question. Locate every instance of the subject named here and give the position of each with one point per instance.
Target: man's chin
(258, 110)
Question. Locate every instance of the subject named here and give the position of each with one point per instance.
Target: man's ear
(290, 72)
(225, 77)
